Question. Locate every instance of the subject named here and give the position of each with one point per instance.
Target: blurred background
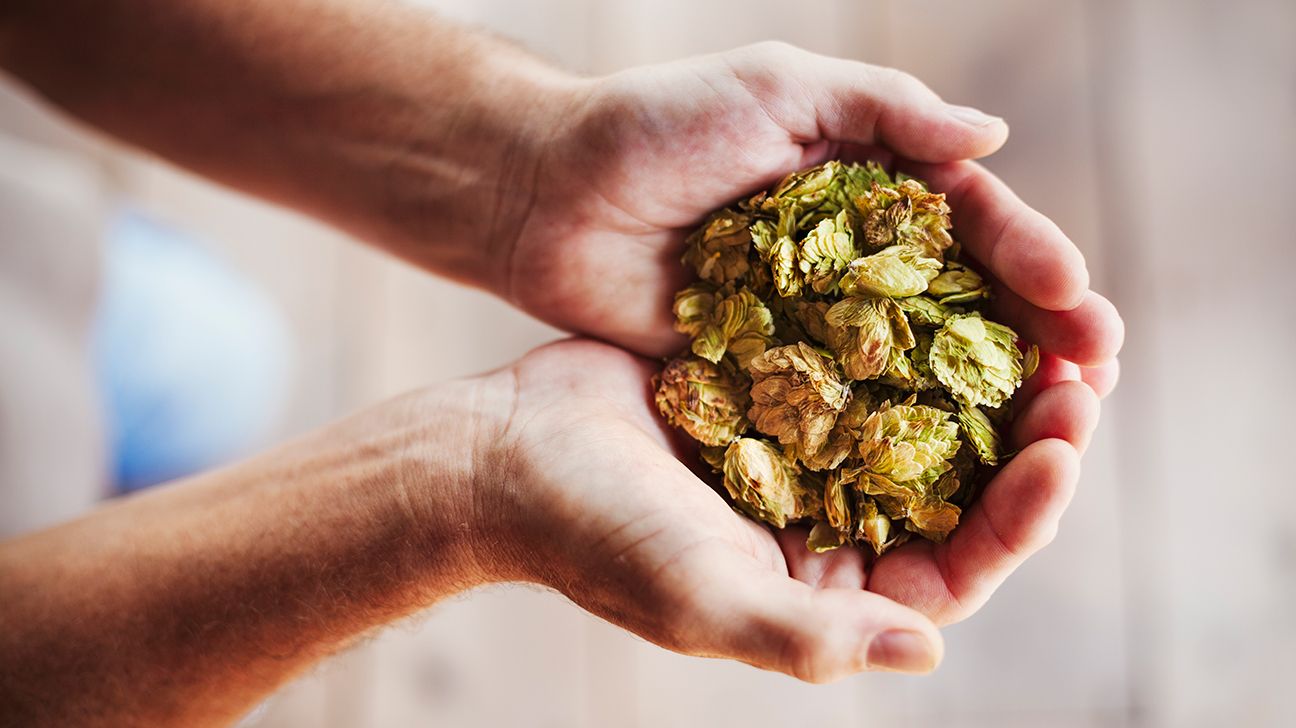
(1161, 135)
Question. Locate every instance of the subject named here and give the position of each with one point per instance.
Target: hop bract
(843, 372)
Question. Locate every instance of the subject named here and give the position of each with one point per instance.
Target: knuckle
(901, 82)
(771, 51)
(1033, 541)
(807, 656)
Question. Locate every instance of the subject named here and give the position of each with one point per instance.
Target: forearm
(402, 128)
(186, 605)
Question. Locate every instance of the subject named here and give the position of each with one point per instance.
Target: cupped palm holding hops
(842, 370)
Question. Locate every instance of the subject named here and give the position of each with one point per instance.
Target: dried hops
(842, 372)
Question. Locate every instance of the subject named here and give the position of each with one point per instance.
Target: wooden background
(1161, 135)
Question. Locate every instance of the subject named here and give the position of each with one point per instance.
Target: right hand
(581, 488)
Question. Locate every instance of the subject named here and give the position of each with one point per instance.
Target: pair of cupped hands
(577, 482)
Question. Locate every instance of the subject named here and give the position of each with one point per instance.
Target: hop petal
(873, 526)
(911, 369)
(958, 284)
(707, 401)
(860, 517)
(924, 311)
(824, 537)
(932, 518)
(980, 432)
(796, 396)
(802, 321)
(977, 360)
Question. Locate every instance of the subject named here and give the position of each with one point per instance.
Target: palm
(654, 151)
(647, 153)
(647, 544)
(605, 470)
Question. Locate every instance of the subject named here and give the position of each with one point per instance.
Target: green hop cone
(737, 324)
(958, 284)
(865, 333)
(977, 360)
(827, 249)
(796, 395)
(894, 272)
(718, 251)
(694, 308)
(908, 214)
(706, 400)
(843, 438)
(766, 485)
(908, 442)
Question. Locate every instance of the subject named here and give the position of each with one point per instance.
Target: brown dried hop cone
(843, 373)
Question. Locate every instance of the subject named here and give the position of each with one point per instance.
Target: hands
(611, 516)
(202, 597)
(583, 490)
(571, 198)
(644, 155)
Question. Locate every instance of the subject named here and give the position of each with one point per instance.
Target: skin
(569, 197)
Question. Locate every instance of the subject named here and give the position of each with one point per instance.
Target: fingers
(1020, 246)
(1066, 411)
(732, 608)
(1016, 516)
(817, 97)
(1090, 334)
(1051, 370)
(1103, 377)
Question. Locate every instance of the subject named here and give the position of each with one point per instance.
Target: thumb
(817, 97)
(737, 609)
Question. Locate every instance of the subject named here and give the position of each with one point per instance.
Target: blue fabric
(193, 359)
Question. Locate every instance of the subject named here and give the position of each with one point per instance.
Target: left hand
(642, 156)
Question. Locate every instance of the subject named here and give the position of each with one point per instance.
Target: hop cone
(842, 371)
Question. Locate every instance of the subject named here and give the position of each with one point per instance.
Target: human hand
(583, 490)
(640, 157)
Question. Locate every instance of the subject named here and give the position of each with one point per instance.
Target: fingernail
(901, 650)
(969, 115)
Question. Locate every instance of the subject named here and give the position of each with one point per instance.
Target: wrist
(494, 499)
(409, 472)
(461, 189)
(453, 470)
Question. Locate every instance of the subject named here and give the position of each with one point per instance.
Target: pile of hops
(842, 370)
